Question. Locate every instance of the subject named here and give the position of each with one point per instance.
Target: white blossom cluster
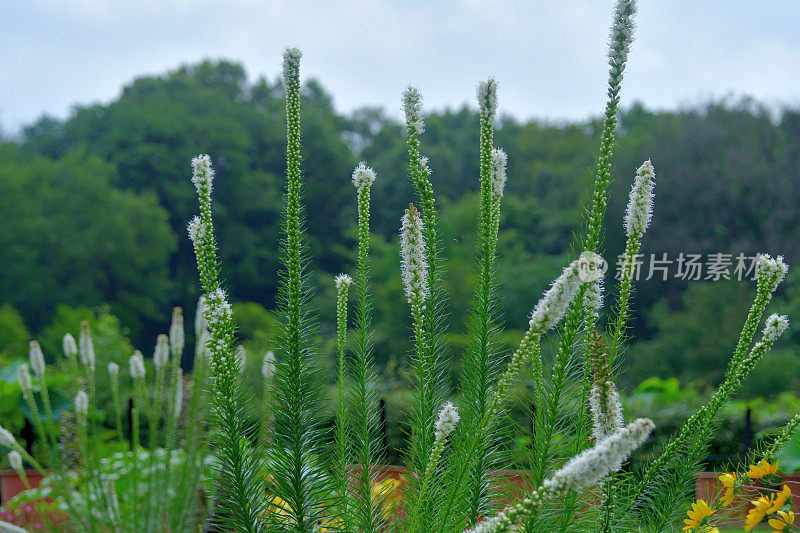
(487, 98)
(593, 464)
(86, 346)
(412, 107)
(499, 161)
(136, 363)
(291, 62)
(69, 346)
(37, 359)
(113, 370)
(7, 438)
(775, 326)
(15, 460)
(582, 471)
(24, 378)
(363, 177)
(81, 403)
(219, 310)
(196, 230)
(161, 353)
(178, 400)
(413, 264)
(342, 281)
(202, 173)
(423, 166)
(771, 268)
(200, 322)
(446, 422)
(606, 410)
(621, 33)
(640, 201)
(555, 302)
(202, 344)
(268, 365)
(177, 336)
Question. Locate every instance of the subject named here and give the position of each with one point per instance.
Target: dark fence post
(384, 436)
(747, 432)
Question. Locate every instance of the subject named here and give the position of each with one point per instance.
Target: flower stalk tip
(37, 359)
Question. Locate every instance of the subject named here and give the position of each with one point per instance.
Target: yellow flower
(762, 469)
(757, 513)
(697, 514)
(778, 524)
(279, 507)
(780, 500)
(729, 482)
(387, 494)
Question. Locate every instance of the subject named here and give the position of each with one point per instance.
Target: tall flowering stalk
(481, 361)
(343, 455)
(238, 469)
(300, 481)
(582, 316)
(638, 214)
(363, 393)
(678, 459)
(432, 361)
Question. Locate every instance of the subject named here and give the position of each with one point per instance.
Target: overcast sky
(547, 55)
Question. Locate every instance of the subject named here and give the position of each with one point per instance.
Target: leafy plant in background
(157, 484)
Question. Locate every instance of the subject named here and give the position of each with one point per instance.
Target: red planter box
(11, 484)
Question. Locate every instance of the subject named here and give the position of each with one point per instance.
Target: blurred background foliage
(94, 208)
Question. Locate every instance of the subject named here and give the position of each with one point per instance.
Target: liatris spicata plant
(290, 473)
(451, 455)
(162, 480)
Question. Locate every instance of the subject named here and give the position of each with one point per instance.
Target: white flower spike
(363, 177)
(768, 267)
(413, 265)
(176, 332)
(81, 403)
(202, 173)
(499, 161)
(555, 302)
(640, 201)
(136, 363)
(161, 353)
(24, 378)
(86, 345)
(69, 346)
(446, 422)
(341, 281)
(15, 460)
(412, 108)
(775, 326)
(7, 438)
(268, 365)
(487, 98)
(37, 359)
